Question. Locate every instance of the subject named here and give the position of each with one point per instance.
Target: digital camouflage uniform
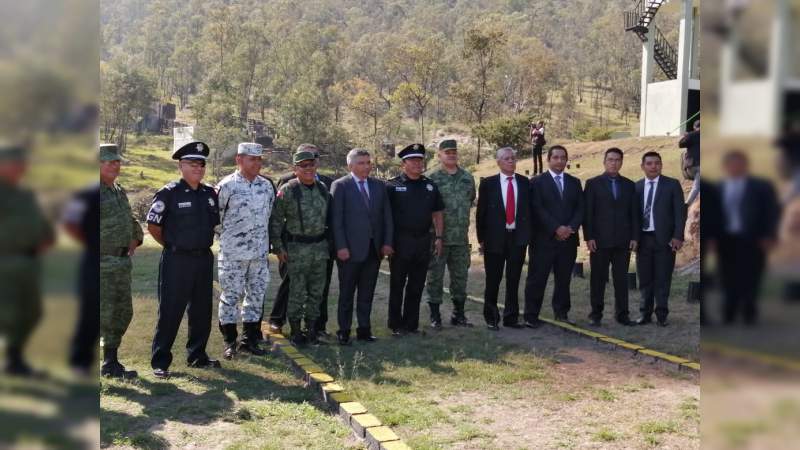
(24, 229)
(458, 193)
(118, 228)
(245, 208)
(308, 262)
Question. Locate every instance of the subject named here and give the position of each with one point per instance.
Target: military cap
(448, 144)
(412, 151)
(308, 148)
(304, 155)
(10, 151)
(109, 152)
(192, 150)
(250, 149)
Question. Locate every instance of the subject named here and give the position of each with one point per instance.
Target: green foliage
(126, 94)
(505, 131)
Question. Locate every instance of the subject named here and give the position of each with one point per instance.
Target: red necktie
(510, 202)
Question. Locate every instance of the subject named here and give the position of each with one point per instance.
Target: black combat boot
(436, 317)
(229, 335)
(296, 336)
(312, 332)
(459, 319)
(251, 334)
(111, 366)
(15, 363)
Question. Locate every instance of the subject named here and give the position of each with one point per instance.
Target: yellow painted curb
(666, 357)
(762, 358)
(394, 445)
(378, 435)
(353, 408)
(321, 377)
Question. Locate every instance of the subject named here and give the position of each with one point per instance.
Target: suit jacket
(669, 210)
(354, 223)
(759, 209)
(551, 211)
(611, 222)
(490, 214)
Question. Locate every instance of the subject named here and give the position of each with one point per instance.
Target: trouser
(22, 300)
(87, 329)
(357, 276)
(244, 281)
(457, 260)
(184, 286)
(619, 258)
(116, 305)
(654, 264)
(559, 258)
(538, 167)
(512, 258)
(741, 264)
(409, 266)
(278, 314)
(305, 291)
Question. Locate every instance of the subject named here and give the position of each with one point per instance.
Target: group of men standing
(419, 222)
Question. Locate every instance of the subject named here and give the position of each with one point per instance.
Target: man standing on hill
(278, 315)
(246, 199)
(457, 188)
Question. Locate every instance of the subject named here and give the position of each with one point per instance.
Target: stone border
(671, 361)
(764, 359)
(365, 425)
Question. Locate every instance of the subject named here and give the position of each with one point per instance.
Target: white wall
(663, 108)
(746, 108)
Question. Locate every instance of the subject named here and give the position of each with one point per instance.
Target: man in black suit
(278, 315)
(660, 199)
(557, 205)
(750, 211)
(502, 222)
(362, 233)
(611, 230)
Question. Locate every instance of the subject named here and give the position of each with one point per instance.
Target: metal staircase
(639, 20)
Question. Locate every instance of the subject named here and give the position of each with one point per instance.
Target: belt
(306, 239)
(188, 251)
(114, 251)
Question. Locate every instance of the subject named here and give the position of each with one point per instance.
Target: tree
(505, 131)
(126, 93)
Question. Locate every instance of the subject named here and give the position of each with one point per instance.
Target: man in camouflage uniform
(245, 204)
(24, 235)
(299, 227)
(457, 188)
(120, 234)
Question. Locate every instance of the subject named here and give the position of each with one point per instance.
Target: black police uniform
(185, 272)
(413, 202)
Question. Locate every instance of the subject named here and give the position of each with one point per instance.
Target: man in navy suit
(557, 205)
(611, 230)
(663, 212)
(362, 233)
(502, 222)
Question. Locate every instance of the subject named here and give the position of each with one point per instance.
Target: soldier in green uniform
(120, 234)
(24, 235)
(299, 233)
(457, 188)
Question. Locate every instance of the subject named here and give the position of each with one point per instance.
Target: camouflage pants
(457, 260)
(308, 275)
(20, 299)
(246, 281)
(116, 306)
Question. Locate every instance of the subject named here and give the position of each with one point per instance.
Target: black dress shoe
(436, 324)
(515, 325)
(595, 323)
(492, 327)
(205, 363)
(367, 338)
(643, 321)
(397, 332)
(626, 322)
(161, 373)
(460, 321)
(566, 320)
(662, 323)
(533, 323)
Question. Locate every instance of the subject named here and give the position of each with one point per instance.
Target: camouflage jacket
(286, 222)
(117, 224)
(458, 193)
(244, 211)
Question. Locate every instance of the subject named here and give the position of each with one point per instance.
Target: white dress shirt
(651, 225)
(503, 190)
(732, 195)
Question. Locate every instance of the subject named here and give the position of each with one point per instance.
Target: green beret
(303, 156)
(12, 152)
(448, 144)
(109, 152)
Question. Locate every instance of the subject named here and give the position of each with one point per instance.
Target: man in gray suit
(362, 233)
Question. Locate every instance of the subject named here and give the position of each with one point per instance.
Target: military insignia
(158, 207)
(416, 146)
(211, 201)
(171, 185)
(429, 187)
(199, 148)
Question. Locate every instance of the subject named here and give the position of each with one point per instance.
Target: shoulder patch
(171, 185)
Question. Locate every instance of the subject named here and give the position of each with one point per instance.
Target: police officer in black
(416, 204)
(182, 219)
